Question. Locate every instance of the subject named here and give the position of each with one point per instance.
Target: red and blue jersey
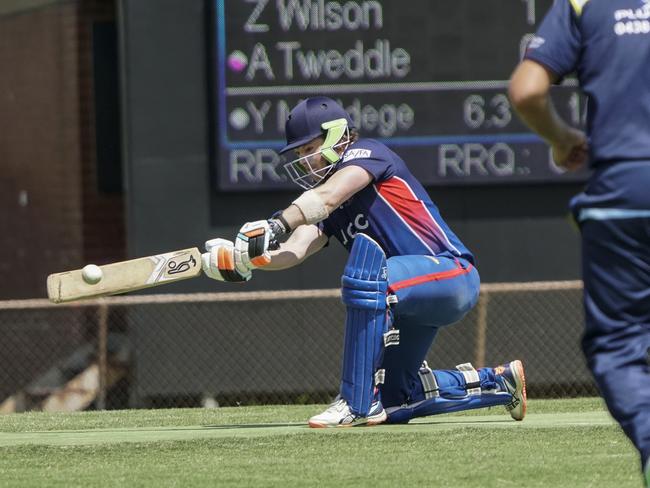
(394, 210)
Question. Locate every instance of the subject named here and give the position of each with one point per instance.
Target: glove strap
(286, 229)
(279, 227)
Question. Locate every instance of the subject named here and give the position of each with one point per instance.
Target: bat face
(124, 276)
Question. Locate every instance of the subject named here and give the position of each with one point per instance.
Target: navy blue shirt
(607, 43)
(394, 209)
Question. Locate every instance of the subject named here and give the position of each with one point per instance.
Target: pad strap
(429, 383)
(391, 338)
(472, 379)
(380, 377)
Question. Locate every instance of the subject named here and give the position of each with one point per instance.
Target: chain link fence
(258, 348)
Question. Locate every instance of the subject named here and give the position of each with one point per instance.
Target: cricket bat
(136, 274)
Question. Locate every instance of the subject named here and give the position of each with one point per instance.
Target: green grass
(562, 443)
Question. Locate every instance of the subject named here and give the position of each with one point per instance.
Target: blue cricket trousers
(614, 217)
(431, 292)
(616, 274)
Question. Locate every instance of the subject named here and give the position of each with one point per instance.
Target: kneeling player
(407, 274)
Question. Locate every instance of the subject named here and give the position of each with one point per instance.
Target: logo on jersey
(632, 20)
(356, 154)
(359, 223)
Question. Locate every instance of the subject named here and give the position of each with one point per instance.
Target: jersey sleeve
(557, 42)
(370, 156)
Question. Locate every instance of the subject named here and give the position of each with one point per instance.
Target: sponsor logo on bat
(166, 266)
(175, 268)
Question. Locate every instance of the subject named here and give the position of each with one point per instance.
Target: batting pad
(364, 287)
(445, 391)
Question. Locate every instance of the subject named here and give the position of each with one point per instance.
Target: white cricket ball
(92, 274)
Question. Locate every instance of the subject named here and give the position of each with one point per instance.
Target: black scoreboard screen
(426, 77)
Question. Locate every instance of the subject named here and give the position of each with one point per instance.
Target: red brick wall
(52, 217)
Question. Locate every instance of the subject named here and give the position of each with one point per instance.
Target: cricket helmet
(305, 121)
(312, 118)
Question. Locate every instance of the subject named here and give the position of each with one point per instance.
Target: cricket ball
(92, 274)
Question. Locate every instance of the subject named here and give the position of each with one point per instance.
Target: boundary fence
(211, 349)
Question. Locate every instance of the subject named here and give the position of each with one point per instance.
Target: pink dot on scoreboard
(237, 61)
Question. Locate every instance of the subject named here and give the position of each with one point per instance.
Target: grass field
(561, 443)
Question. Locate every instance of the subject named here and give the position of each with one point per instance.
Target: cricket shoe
(338, 414)
(514, 381)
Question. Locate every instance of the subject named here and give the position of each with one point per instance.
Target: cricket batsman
(407, 274)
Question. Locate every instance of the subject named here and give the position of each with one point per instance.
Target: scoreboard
(426, 77)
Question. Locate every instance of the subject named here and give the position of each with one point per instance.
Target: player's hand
(219, 262)
(255, 240)
(572, 152)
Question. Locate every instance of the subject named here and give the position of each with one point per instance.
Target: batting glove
(255, 240)
(219, 262)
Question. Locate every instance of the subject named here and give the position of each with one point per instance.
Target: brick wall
(52, 216)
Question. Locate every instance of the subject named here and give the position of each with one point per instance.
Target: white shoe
(515, 383)
(338, 414)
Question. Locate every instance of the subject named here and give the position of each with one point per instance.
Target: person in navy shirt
(407, 274)
(607, 44)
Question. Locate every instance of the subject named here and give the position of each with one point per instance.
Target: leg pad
(364, 289)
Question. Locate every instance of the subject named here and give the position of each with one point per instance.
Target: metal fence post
(481, 328)
(102, 352)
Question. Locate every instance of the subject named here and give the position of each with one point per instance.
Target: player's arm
(315, 205)
(256, 240)
(529, 93)
(302, 243)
